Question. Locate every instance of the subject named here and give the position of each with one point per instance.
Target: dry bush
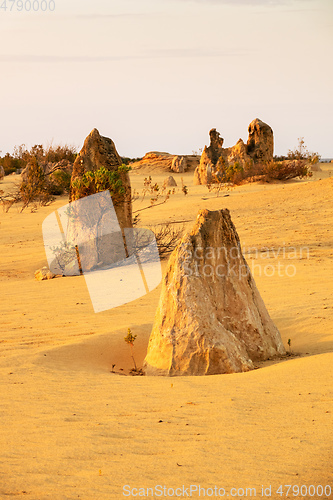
(238, 173)
(35, 189)
(46, 174)
(286, 170)
(153, 190)
(167, 237)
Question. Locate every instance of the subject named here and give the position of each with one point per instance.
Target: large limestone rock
(179, 164)
(204, 172)
(215, 158)
(260, 144)
(210, 318)
(97, 152)
(238, 153)
(95, 226)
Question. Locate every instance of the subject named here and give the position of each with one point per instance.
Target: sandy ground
(71, 429)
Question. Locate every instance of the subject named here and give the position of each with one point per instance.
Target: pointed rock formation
(260, 144)
(204, 172)
(97, 152)
(210, 318)
(169, 182)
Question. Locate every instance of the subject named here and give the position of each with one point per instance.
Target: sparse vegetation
(238, 173)
(152, 189)
(99, 180)
(296, 165)
(300, 152)
(167, 237)
(46, 174)
(126, 160)
(129, 339)
(184, 187)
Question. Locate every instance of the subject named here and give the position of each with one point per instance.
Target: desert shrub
(300, 152)
(238, 173)
(286, 170)
(126, 160)
(35, 189)
(58, 153)
(10, 164)
(52, 153)
(155, 192)
(99, 180)
(38, 187)
(167, 237)
(59, 182)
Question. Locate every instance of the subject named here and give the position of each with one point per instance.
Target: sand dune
(71, 429)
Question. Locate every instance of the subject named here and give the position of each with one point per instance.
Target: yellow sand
(71, 429)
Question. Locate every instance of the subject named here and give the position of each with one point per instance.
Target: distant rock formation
(204, 172)
(260, 144)
(97, 152)
(179, 164)
(215, 158)
(156, 162)
(153, 161)
(169, 182)
(2, 172)
(211, 318)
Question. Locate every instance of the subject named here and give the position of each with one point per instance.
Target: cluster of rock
(214, 158)
(211, 318)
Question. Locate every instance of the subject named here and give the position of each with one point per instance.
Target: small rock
(169, 182)
(44, 274)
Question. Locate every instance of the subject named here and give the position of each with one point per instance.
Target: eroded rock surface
(204, 173)
(215, 158)
(97, 152)
(169, 182)
(179, 164)
(260, 144)
(211, 318)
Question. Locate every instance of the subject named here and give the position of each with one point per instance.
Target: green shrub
(99, 180)
(59, 182)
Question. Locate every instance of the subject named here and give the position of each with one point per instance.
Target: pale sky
(159, 74)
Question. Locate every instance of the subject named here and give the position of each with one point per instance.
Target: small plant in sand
(154, 190)
(289, 344)
(184, 188)
(129, 339)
